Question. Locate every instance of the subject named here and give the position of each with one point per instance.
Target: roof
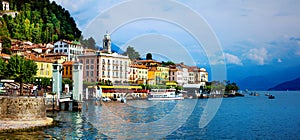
(37, 58)
(4, 56)
(138, 66)
(68, 63)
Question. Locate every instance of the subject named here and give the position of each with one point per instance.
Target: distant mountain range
(289, 85)
(265, 81)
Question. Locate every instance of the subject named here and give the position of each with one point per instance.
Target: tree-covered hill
(38, 21)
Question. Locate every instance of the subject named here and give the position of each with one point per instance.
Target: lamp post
(52, 93)
(38, 88)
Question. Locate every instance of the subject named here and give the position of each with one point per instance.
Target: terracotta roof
(37, 59)
(5, 56)
(68, 63)
(138, 66)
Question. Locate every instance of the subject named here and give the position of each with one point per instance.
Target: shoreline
(15, 126)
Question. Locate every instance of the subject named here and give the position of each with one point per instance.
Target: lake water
(249, 117)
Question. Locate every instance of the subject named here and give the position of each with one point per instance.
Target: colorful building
(44, 66)
(67, 72)
(138, 74)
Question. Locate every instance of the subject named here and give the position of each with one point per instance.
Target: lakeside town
(58, 73)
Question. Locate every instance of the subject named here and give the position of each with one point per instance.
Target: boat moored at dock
(164, 94)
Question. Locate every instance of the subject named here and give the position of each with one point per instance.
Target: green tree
(132, 54)
(67, 81)
(168, 63)
(2, 68)
(148, 56)
(6, 45)
(88, 43)
(231, 86)
(21, 70)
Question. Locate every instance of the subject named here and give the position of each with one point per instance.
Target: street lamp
(38, 88)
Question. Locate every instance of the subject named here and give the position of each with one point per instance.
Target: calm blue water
(249, 117)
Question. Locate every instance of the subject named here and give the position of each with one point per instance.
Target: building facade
(72, 49)
(5, 5)
(103, 65)
(67, 72)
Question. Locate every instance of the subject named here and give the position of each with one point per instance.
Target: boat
(164, 94)
(123, 100)
(271, 97)
(106, 99)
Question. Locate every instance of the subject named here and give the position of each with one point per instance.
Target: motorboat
(165, 94)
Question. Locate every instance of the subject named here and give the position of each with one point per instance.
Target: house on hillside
(5, 5)
(70, 48)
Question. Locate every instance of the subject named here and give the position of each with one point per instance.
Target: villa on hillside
(71, 48)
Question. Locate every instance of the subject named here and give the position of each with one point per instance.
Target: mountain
(114, 48)
(38, 21)
(289, 85)
(262, 77)
(255, 83)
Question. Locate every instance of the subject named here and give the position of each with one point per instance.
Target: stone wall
(22, 108)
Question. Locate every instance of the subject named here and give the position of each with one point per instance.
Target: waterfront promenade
(9, 126)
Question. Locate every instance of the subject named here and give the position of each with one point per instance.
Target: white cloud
(258, 55)
(279, 60)
(232, 59)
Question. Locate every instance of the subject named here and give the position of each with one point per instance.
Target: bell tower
(107, 43)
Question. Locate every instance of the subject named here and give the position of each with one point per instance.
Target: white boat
(164, 94)
(106, 99)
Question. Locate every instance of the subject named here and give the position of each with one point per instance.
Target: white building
(5, 5)
(113, 67)
(72, 49)
(105, 66)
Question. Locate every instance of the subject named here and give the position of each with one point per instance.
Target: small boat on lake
(164, 94)
(271, 97)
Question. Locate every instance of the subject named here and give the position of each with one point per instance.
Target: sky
(250, 38)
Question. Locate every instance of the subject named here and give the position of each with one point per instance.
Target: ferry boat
(164, 94)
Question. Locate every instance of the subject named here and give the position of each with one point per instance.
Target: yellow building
(44, 66)
(138, 74)
(44, 69)
(158, 75)
(164, 74)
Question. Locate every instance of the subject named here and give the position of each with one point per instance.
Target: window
(92, 67)
(92, 61)
(103, 73)
(87, 67)
(87, 73)
(65, 50)
(66, 46)
(56, 46)
(61, 46)
(87, 61)
(56, 51)
(92, 74)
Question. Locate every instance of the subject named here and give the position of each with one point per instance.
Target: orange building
(67, 72)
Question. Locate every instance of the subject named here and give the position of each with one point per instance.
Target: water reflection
(123, 121)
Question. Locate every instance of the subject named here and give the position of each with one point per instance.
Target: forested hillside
(38, 21)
